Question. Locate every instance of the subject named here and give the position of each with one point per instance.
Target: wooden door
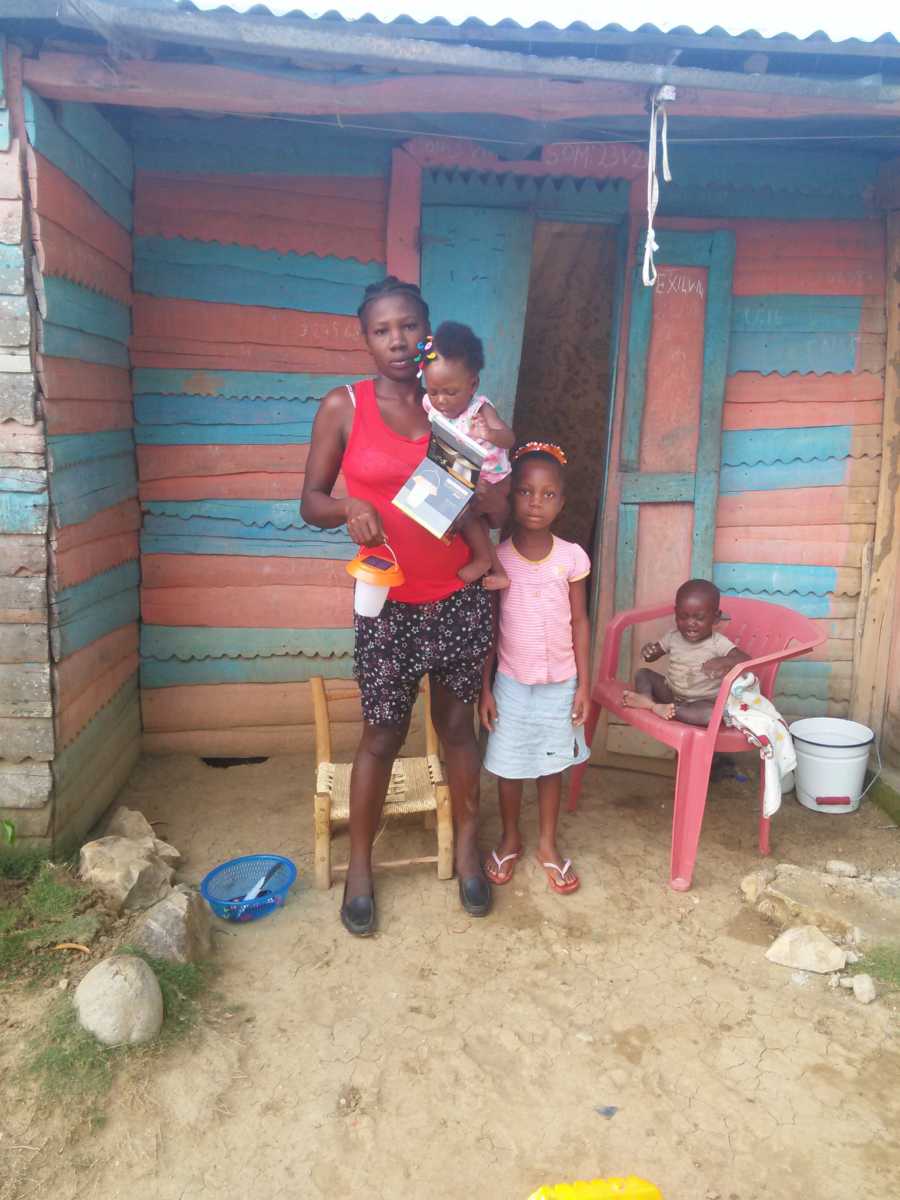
(672, 421)
(475, 268)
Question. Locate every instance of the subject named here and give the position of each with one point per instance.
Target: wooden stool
(417, 785)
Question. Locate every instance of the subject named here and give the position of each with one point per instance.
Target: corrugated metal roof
(864, 21)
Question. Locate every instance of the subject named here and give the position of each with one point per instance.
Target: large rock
(129, 823)
(864, 988)
(119, 1001)
(177, 928)
(128, 873)
(806, 948)
(845, 907)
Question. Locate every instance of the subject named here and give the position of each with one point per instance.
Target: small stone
(847, 982)
(63, 985)
(834, 981)
(846, 870)
(129, 823)
(754, 884)
(176, 928)
(119, 1001)
(128, 873)
(853, 957)
(806, 948)
(864, 988)
(800, 978)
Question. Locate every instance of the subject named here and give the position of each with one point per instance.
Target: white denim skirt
(533, 734)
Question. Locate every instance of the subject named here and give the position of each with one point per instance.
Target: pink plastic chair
(771, 634)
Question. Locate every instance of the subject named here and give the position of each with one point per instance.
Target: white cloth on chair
(761, 724)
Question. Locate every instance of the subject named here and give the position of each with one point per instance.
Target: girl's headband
(550, 448)
(427, 353)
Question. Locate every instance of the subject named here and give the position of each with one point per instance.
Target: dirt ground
(626, 1028)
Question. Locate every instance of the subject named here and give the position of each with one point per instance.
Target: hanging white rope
(658, 108)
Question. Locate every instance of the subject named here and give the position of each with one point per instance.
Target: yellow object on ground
(631, 1188)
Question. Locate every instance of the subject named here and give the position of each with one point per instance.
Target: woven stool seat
(417, 785)
(411, 788)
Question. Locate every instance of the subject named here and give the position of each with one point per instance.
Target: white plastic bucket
(831, 763)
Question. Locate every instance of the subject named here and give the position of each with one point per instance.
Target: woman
(377, 433)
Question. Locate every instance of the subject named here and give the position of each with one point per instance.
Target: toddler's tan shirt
(684, 670)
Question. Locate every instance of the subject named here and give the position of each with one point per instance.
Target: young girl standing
(536, 709)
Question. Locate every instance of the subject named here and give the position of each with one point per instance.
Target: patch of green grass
(20, 864)
(182, 986)
(37, 917)
(882, 963)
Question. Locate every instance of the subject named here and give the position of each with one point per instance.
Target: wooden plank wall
(801, 442)
(26, 725)
(80, 174)
(253, 243)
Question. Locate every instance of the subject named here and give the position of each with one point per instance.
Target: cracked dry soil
(448, 1058)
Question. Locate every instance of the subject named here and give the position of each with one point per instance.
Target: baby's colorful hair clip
(426, 354)
(550, 448)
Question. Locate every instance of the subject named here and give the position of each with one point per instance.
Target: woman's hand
(580, 704)
(487, 709)
(364, 523)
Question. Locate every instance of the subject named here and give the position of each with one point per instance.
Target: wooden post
(404, 217)
(320, 714)
(870, 693)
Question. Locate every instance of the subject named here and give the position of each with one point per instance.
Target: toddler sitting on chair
(699, 658)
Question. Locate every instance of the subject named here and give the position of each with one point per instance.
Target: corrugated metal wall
(253, 243)
(80, 176)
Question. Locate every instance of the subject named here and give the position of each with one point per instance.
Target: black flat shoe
(475, 895)
(358, 914)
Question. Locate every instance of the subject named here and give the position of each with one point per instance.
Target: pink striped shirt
(535, 643)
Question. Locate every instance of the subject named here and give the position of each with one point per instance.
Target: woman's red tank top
(377, 463)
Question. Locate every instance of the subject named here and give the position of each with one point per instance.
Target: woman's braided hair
(391, 286)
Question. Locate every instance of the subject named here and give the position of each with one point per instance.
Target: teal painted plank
(61, 342)
(797, 314)
(23, 512)
(245, 275)
(748, 447)
(640, 324)
(12, 270)
(237, 385)
(73, 160)
(70, 304)
(809, 606)
(679, 249)
(253, 514)
(239, 146)
(801, 173)
(78, 480)
(775, 476)
(716, 337)
(775, 578)
(626, 574)
(548, 198)
(475, 267)
(165, 535)
(5, 135)
(786, 353)
(676, 200)
(287, 669)
(184, 642)
(216, 410)
(108, 614)
(656, 487)
(68, 449)
(102, 140)
(82, 508)
(23, 479)
(69, 602)
(213, 435)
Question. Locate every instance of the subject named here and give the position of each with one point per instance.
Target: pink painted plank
(22, 439)
(798, 506)
(84, 562)
(403, 216)
(61, 253)
(664, 542)
(214, 570)
(195, 321)
(227, 706)
(749, 388)
(371, 190)
(72, 379)
(11, 173)
(264, 741)
(173, 354)
(780, 416)
(74, 675)
(297, 236)
(70, 720)
(254, 486)
(57, 197)
(732, 546)
(856, 241)
(172, 462)
(86, 416)
(807, 277)
(120, 518)
(257, 606)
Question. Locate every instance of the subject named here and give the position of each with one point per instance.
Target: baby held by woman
(699, 658)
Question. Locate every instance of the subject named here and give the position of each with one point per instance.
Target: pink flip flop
(494, 865)
(562, 879)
